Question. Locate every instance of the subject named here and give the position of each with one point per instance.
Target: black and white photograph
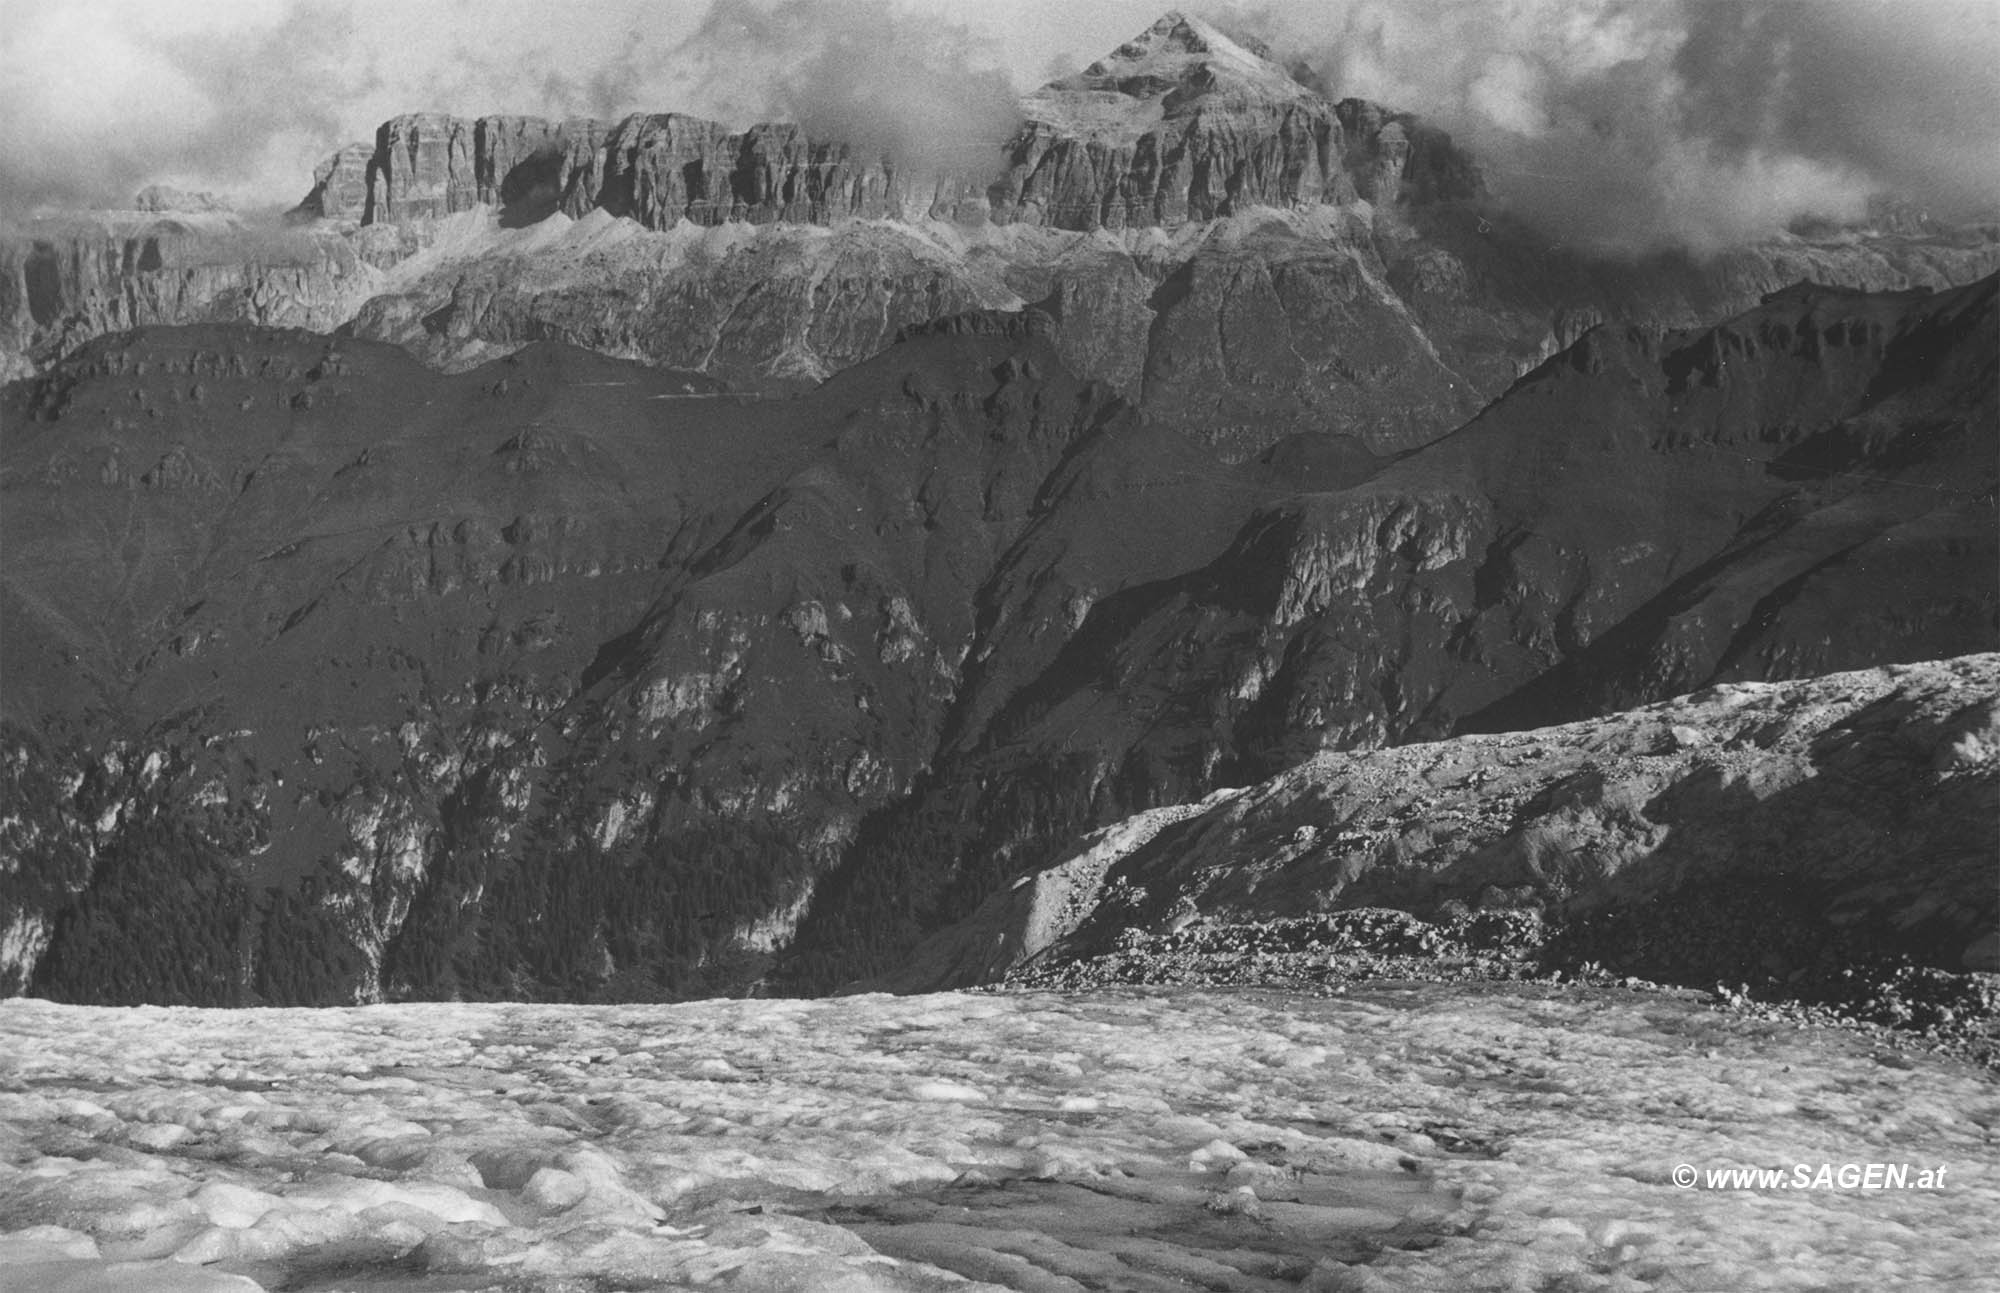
(999, 646)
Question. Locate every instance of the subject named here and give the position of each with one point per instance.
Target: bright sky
(246, 95)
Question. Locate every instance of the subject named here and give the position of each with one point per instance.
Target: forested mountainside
(333, 677)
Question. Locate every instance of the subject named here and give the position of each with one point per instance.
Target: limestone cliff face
(1326, 266)
(64, 282)
(340, 185)
(1184, 124)
(423, 168)
(659, 169)
(1180, 125)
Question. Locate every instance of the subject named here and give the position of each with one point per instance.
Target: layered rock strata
(1181, 125)
(1242, 257)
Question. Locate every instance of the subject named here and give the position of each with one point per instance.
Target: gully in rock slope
(340, 678)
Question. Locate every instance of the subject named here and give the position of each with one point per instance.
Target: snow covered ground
(1423, 1137)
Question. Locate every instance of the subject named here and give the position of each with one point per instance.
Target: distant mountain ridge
(1182, 124)
(1234, 253)
(330, 677)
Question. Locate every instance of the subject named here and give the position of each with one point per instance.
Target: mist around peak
(1626, 128)
(102, 99)
(877, 75)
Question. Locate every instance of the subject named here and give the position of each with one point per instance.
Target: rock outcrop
(172, 259)
(1180, 125)
(1646, 515)
(1185, 124)
(659, 169)
(332, 677)
(1242, 257)
(1745, 825)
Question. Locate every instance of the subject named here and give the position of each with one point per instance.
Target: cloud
(102, 97)
(100, 100)
(882, 76)
(640, 71)
(1635, 124)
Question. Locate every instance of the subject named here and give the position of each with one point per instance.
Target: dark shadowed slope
(1807, 488)
(330, 677)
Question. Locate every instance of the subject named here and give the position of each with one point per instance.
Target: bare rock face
(574, 677)
(423, 168)
(1648, 514)
(162, 197)
(63, 282)
(1398, 158)
(1181, 125)
(1862, 801)
(659, 169)
(340, 185)
(1184, 124)
(529, 167)
(1244, 258)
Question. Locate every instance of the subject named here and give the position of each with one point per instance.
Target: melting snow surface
(1409, 1138)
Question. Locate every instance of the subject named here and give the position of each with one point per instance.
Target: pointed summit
(1174, 67)
(1175, 35)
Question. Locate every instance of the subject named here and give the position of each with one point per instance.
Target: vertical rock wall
(664, 168)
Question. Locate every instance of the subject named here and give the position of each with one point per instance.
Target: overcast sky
(244, 96)
(1690, 120)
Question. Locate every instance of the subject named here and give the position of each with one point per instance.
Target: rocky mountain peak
(1172, 67)
(1177, 35)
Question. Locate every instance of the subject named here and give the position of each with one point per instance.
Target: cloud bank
(872, 73)
(102, 97)
(1637, 124)
(99, 98)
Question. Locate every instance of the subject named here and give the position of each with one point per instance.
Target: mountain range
(588, 560)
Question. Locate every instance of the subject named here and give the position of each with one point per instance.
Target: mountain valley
(607, 561)
(1363, 663)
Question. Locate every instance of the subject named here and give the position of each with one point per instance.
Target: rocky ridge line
(1782, 837)
(1182, 124)
(1238, 255)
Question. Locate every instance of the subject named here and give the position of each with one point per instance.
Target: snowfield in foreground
(1423, 1138)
